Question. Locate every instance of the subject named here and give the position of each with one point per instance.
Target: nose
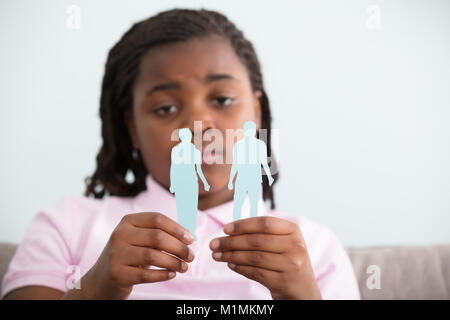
(199, 119)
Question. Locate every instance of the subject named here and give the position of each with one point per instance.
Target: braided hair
(117, 156)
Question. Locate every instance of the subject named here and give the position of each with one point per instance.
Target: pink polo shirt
(68, 237)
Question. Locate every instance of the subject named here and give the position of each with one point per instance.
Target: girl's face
(179, 83)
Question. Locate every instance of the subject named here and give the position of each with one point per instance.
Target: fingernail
(188, 236)
(171, 275)
(184, 266)
(228, 228)
(191, 255)
(214, 244)
(217, 255)
(232, 265)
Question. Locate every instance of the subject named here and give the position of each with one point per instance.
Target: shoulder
(66, 216)
(69, 204)
(323, 245)
(261, 142)
(68, 223)
(197, 155)
(175, 148)
(311, 230)
(332, 266)
(50, 244)
(79, 211)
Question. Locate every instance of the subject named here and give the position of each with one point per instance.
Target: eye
(224, 101)
(164, 110)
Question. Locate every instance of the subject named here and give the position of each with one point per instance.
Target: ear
(129, 122)
(257, 108)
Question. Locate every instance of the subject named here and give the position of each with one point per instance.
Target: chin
(215, 186)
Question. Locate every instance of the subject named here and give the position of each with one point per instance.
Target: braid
(117, 156)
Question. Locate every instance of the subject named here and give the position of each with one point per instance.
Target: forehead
(191, 60)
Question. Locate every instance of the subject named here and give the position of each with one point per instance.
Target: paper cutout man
(186, 162)
(249, 154)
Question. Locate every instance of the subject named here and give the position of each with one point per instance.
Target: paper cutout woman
(185, 164)
(249, 154)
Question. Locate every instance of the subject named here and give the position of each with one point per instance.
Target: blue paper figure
(249, 154)
(186, 162)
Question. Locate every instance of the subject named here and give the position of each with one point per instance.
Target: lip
(211, 156)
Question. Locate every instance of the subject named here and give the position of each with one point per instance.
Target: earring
(129, 177)
(135, 154)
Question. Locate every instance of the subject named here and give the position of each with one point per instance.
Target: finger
(157, 220)
(253, 241)
(267, 278)
(137, 256)
(265, 224)
(161, 240)
(136, 275)
(260, 259)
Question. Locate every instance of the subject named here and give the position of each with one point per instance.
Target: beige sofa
(405, 272)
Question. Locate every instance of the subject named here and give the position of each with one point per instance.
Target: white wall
(363, 112)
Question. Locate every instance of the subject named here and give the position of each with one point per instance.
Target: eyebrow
(174, 85)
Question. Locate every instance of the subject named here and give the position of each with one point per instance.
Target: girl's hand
(135, 243)
(271, 251)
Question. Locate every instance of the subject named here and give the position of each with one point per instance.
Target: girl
(166, 72)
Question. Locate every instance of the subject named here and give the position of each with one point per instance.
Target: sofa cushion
(406, 272)
(7, 251)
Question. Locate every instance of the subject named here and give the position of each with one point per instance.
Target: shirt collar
(158, 199)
